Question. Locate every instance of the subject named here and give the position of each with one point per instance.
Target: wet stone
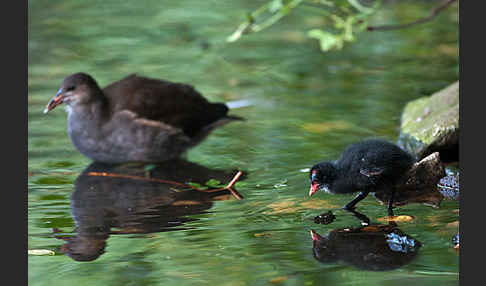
(419, 184)
(431, 124)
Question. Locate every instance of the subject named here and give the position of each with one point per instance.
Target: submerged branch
(229, 186)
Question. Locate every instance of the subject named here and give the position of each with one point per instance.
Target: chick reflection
(127, 199)
(370, 247)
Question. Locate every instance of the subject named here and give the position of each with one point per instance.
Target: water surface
(307, 107)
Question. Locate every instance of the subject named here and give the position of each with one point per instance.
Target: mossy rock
(431, 124)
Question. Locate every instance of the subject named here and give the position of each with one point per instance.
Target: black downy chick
(367, 166)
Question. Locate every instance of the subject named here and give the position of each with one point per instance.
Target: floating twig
(230, 185)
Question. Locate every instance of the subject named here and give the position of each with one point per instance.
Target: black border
(471, 147)
(14, 139)
(15, 26)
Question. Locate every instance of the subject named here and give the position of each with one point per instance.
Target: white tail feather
(238, 103)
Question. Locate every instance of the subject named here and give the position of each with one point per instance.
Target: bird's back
(376, 156)
(176, 104)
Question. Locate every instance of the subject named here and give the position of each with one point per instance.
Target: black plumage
(368, 166)
(369, 247)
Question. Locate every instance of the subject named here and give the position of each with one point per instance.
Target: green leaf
(275, 5)
(150, 167)
(196, 185)
(213, 183)
(327, 40)
(241, 184)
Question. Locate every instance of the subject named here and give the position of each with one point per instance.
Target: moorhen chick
(368, 166)
(370, 247)
(136, 119)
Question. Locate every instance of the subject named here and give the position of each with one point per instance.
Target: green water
(307, 107)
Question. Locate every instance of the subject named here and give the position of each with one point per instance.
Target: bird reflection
(129, 199)
(370, 247)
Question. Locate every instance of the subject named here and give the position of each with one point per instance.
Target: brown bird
(136, 119)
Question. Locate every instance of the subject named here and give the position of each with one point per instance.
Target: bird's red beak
(315, 235)
(314, 188)
(59, 98)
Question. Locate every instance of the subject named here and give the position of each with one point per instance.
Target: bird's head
(75, 89)
(321, 177)
(322, 248)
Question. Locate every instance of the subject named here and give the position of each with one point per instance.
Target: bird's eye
(70, 88)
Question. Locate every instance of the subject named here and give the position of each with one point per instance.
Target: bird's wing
(372, 164)
(138, 129)
(370, 172)
(175, 104)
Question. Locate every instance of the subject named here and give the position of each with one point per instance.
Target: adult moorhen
(368, 166)
(136, 119)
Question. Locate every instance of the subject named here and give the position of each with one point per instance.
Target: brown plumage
(136, 118)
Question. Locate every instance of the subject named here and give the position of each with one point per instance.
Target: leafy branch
(347, 17)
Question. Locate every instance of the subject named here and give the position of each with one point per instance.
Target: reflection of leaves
(223, 197)
(454, 224)
(186, 203)
(293, 207)
(398, 218)
(324, 127)
(449, 50)
(281, 184)
(53, 181)
(434, 220)
(281, 207)
(41, 252)
(279, 279)
(370, 228)
(263, 234)
(60, 164)
(318, 204)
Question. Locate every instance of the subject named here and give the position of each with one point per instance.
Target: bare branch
(434, 13)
